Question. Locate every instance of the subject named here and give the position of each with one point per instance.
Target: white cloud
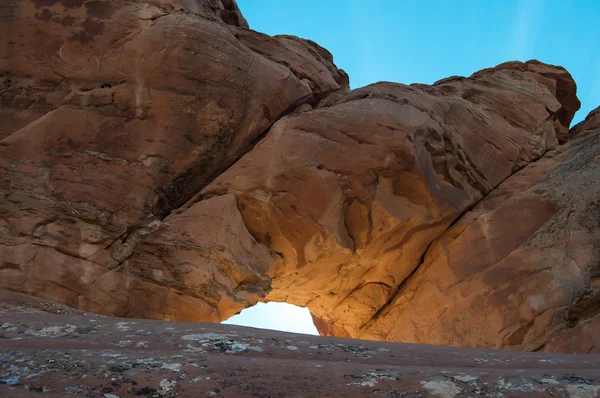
(527, 28)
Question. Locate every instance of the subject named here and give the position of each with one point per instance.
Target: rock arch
(252, 174)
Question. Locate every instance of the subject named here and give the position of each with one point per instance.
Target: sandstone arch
(250, 173)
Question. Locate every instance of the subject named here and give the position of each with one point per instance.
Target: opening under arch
(276, 316)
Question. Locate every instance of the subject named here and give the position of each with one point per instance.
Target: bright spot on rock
(445, 389)
(464, 378)
(205, 337)
(166, 385)
(548, 381)
(276, 316)
(175, 367)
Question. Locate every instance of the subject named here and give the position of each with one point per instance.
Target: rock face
(161, 160)
(117, 112)
(587, 126)
(518, 269)
(349, 197)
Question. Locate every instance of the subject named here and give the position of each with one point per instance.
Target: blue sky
(422, 41)
(276, 316)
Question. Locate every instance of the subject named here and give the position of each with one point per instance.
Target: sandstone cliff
(161, 160)
(117, 112)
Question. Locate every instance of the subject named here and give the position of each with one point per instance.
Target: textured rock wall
(519, 268)
(115, 114)
(161, 160)
(351, 197)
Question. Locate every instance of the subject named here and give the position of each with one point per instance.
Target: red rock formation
(161, 160)
(587, 126)
(351, 211)
(517, 270)
(118, 112)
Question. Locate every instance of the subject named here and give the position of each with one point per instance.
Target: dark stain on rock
(43, 106)
(73, 145)
(81, 37)
(66, 21)
(8, 81)
(93, 27)
(100, 9)
(190, 139)
(72, 3)
(50, 3)
(43, 3)
(45, 15)
(146, 391)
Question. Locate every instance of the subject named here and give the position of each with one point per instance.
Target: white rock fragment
(444, 389)
(52, 331)
(122, 326)
(549, 381)
(465, 378)
(175, 367)
(204, 337)
(166, 385)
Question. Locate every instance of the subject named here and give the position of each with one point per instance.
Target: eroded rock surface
(517, 270)
(116, 112)
(587, 126)
(348, 198)
(162, 160)
(74, 354)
